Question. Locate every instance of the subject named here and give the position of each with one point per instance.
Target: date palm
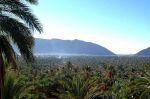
(78, 88)
(140, 87)
(16, 26)
(14, 86)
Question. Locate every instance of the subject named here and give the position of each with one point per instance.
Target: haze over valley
(76, 47)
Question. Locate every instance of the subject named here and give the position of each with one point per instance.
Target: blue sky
(122, 26)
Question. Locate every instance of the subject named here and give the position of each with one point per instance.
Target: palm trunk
(1, 75)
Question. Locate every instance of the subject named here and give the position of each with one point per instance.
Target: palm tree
(140, 87)
(16, 26)
(78, 87)
(14, 86)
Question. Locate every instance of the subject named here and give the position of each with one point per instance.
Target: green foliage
(17, 23)
(14, 87)
(78, 86)
(64, 79)
(140, 87)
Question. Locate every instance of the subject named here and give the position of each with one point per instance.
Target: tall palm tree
(16, 26)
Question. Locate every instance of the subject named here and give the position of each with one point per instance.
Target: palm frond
(8, 51)
(32, 1)
(29, 1)
(78, 88)
(20, 35)
(13, 87)
(23, 12)
(141, 86)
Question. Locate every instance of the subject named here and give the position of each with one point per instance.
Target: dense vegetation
(80, 77)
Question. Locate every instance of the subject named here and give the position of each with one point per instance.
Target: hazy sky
(123, 26)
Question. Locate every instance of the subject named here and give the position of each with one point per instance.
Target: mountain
(58, 46)
(145, 52)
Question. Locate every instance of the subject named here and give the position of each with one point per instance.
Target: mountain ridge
(144, 52)
(69, 47)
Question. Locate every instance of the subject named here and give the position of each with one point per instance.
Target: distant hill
(145, 52)
(57, 46)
